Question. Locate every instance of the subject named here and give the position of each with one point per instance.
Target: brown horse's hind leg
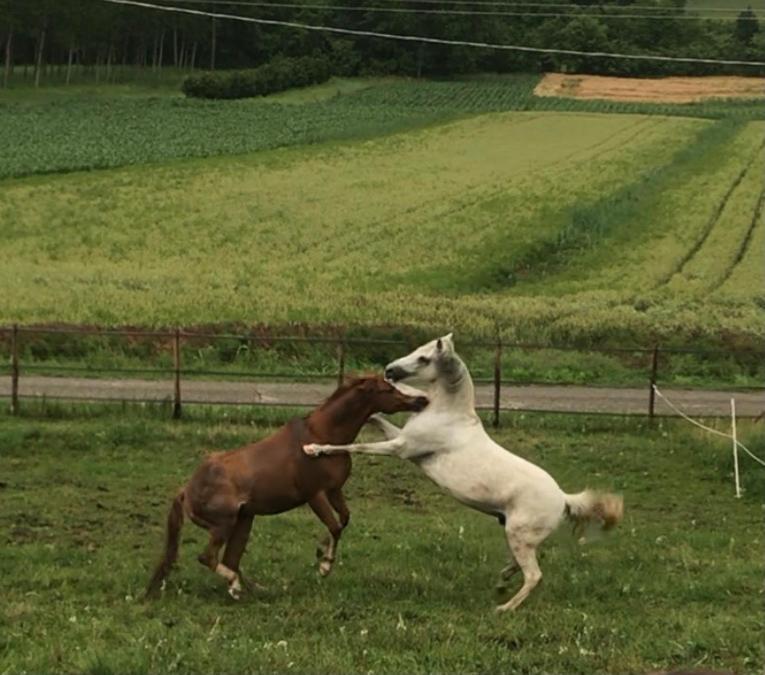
(337, 500)
(209, 558)
(219, 520)
(235, 547)
(323, 510)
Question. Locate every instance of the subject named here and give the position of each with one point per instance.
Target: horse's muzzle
(420, 403)
(395, 373)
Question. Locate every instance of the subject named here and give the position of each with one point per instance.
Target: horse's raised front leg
(326, 553)
(390, 447)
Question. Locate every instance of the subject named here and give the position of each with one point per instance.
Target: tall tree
(8, 24)
(747, 26)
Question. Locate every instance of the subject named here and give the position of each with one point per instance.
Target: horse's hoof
(235, 590)
(311, 449)
(325, 567)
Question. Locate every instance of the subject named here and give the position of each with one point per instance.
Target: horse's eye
(424, 360)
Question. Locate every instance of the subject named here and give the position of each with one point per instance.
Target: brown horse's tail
(172, 541)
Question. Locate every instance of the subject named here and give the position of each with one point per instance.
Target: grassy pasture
(677, 585)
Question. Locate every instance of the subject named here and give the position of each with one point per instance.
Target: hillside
(556, 225)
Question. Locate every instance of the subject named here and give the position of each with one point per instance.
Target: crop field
(60, 129)
(664, 89)
(387, 207)
(677, 585)
(569, 226)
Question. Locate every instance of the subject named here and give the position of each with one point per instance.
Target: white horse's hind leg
(525, 553)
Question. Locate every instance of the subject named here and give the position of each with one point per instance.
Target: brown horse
(274, 475)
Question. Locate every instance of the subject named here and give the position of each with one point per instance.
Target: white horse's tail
(587, 506)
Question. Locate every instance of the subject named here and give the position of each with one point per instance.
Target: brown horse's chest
(323, 473)
(278, 478)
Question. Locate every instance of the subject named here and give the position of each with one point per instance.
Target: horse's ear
(445, 343)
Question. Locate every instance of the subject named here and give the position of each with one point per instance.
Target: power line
(460, 12)
(512, 3)
(430, 40)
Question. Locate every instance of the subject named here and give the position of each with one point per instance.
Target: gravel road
(530, 397)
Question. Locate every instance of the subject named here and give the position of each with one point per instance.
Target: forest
(104, 41)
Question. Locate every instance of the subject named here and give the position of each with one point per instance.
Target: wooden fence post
(340, 359)
(15, 370)
(654, 371)
(177, 365)
(497, 380)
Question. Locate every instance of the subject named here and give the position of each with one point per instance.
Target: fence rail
(340, 340)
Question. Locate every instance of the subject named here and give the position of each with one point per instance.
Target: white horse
(448, 442)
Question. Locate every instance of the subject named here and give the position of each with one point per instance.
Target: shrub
(277, 75)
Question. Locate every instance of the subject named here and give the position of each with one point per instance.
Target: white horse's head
(424, 364)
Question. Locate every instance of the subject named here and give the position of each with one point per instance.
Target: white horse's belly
(473, 485)
(464, 460)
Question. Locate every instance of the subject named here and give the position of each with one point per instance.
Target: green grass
(124, 82)
(677, 585)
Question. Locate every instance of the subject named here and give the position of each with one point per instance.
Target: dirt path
(531, 397)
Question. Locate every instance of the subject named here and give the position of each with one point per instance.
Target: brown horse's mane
(349, 382)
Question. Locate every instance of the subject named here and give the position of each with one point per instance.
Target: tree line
(62, 39)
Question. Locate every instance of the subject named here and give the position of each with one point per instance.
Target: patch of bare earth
(659, 90)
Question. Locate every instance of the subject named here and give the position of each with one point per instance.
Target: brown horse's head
(386, 398)
(378, 396)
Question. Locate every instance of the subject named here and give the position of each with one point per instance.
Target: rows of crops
(516, 93)
(87, 134)
(497, 219)
(73, 133)
(313, 234)
(678, 258)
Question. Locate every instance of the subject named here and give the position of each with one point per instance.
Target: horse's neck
(336, 423)
(455, 389)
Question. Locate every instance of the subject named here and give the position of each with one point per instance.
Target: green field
(554, 225)
(677, 585)
(386, 208)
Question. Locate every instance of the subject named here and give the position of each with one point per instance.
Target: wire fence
(342, 344)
